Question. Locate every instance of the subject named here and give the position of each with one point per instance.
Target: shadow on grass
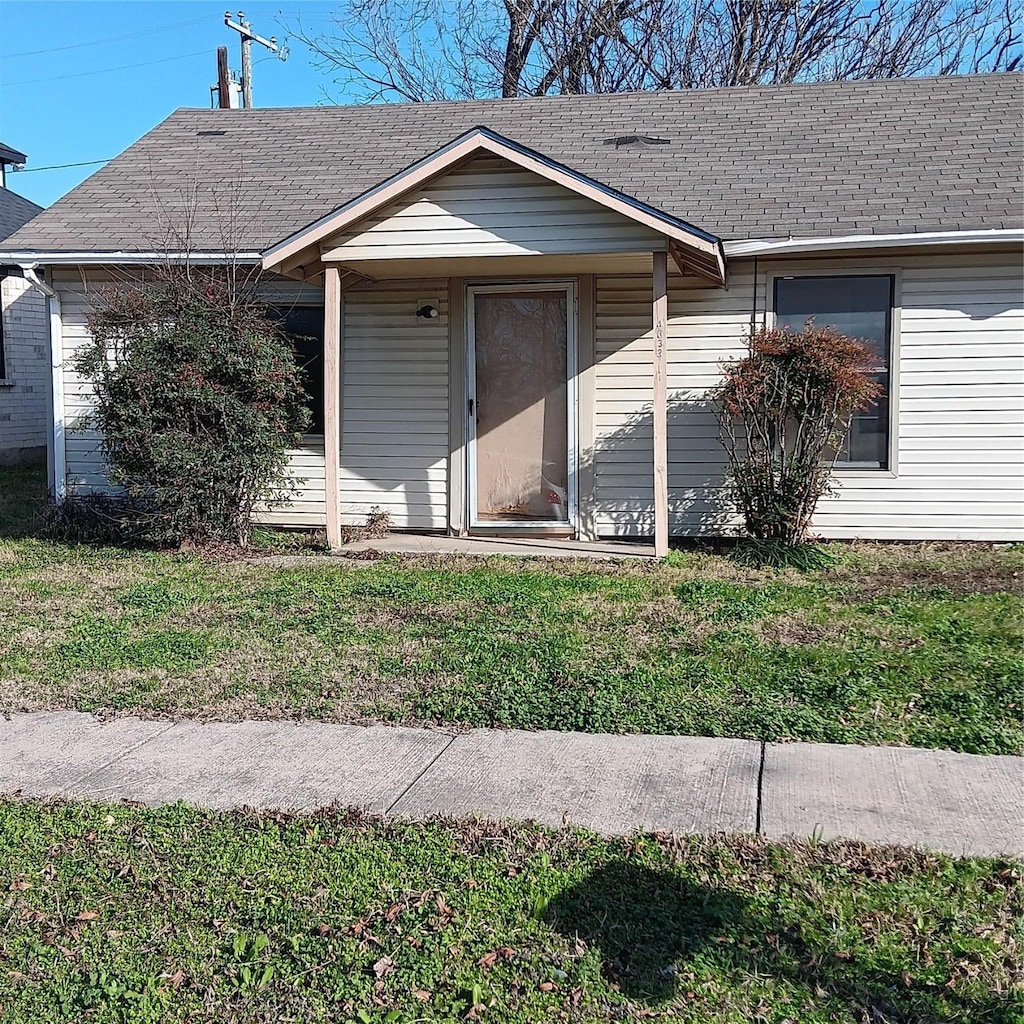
(650, 924)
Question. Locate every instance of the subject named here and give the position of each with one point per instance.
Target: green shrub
(198, 398)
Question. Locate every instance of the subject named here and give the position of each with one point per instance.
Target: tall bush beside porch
(197, 398)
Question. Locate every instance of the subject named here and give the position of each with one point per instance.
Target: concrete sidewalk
(956, 803)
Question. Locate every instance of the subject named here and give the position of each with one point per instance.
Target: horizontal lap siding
(307, 505)
(394, 439)
(706, 325)
(86, 466)
(489, 207)
(959, 416)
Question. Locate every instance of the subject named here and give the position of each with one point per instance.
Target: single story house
(520, 305)
(24, 346)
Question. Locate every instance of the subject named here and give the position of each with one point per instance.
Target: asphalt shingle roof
(15, 211)
(927, 154)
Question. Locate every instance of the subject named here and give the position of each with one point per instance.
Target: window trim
(828, 268)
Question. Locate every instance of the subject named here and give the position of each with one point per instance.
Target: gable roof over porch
(691, 247)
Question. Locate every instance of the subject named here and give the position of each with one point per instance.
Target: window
(304, 326)
(859, 306)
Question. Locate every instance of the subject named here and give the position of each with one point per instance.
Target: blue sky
(55, 108)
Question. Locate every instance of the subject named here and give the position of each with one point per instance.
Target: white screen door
(521, 405)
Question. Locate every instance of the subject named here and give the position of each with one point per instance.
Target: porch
(515, 547)
(506, 248)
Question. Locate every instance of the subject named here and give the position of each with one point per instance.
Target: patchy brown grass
(862, 651)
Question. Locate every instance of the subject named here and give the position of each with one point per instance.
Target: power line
(60, 167)
(104, 71)
(108, 39)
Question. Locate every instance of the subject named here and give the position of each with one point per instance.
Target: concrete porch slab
(282, 765)
(523, 547)
(612, 784)
(954, 803)
(49, 753)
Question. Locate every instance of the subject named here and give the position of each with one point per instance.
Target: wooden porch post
(332, 399)
(659, 411)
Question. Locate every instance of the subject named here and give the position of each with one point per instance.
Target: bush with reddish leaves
(784, 411)
(197, 398)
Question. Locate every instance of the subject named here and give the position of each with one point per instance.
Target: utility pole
(223, 79)
(244, 29)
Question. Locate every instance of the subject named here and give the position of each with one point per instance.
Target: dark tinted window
(304, 325)
(860, 307)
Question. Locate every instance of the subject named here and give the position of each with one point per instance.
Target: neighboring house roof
(15, 212)
(9, 155)
(899, 155)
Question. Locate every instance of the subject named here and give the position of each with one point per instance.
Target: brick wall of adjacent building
(26, 372)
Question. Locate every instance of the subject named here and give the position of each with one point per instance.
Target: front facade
(511, 342)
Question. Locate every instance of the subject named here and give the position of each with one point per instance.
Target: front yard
(915, 645)
(117, 914)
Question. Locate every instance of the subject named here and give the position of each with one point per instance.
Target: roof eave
(827, 243)
(90, 257)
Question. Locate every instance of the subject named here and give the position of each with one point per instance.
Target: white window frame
(826, 268)
(571, 395)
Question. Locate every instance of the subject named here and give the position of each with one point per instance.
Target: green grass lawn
(119, 914)
(915, 645)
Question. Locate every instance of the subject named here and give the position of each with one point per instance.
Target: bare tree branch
(446, 49)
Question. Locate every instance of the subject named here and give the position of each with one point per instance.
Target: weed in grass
(106, 644)
(771, 554)
(726, 602)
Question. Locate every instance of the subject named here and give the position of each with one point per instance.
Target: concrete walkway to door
(956, 803)
(522, 547)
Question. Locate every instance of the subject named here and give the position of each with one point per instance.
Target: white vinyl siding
(958, 413)
(490, 207)
(86, 468)
(958, 410)
(307, 506)
(959, 470)
(705, 326)
(394, 406)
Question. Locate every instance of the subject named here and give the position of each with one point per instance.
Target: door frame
(570, 289)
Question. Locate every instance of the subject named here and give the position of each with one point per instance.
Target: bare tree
(456, 49)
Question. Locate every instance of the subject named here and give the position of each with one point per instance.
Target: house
(523, 303)
(24, 346)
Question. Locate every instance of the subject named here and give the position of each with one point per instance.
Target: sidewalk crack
(419, 775)
(127, 752)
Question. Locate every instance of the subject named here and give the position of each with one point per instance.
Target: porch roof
(691, 247)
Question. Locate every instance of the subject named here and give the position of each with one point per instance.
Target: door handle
(471, 404)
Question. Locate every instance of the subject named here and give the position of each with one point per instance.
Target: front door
(521, 406)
